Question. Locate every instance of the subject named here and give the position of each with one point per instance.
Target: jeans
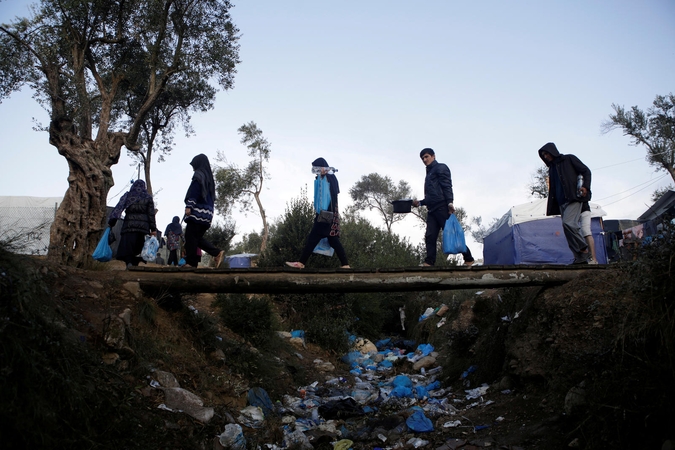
(435, 223)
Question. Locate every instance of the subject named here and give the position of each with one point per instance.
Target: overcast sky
(368, 84)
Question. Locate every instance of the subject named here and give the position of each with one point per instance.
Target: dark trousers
(130, 246)
(194, 238)
(173, 257)
(320, 231)
(435, 223)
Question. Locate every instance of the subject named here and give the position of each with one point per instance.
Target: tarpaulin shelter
(525, 235)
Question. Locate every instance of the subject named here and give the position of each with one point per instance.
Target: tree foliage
(83, 59)
(173, 108)
(538, 185)
(654, 129)
(221, 235)
(243, 186)
(375, 192)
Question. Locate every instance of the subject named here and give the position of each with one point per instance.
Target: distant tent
(525, 235)
(25, 222)
(663, 206)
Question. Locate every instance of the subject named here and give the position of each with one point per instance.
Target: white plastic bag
(149, 252)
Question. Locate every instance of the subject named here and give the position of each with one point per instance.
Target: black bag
(325, 217)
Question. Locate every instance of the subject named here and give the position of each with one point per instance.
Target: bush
(251, 318)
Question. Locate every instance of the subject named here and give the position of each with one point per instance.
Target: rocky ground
(538, 354)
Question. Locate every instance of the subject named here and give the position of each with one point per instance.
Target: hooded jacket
(567, 168)
(437, 187)
(201, 194)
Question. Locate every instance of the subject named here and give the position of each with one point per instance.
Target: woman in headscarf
(320, 229)
(139, 221)
(199, 206)
(173, 233)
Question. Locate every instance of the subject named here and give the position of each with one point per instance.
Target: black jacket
(437, 187)
(140, 217)
(567, 167)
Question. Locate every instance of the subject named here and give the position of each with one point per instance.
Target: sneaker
(425, 265)
(295, 265)
(592, 261)
(219, 259)
(468, 263)
(345, 267)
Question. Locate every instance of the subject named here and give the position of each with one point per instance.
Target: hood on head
(320, 162)
(551, 149)
(200, 161)
(176, 219)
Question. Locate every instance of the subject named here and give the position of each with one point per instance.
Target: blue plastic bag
(103, 252)
(324, 248)
(419, 423)
(149, 252)
(321, 194)
(453, 237)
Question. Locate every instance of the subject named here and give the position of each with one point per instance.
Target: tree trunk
(81, 217)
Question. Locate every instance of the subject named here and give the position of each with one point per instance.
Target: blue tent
(525, 235)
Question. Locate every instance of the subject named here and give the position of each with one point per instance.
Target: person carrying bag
(326, 220)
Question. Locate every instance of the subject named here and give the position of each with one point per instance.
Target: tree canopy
(83, 59)
(374, 191)
(653, 128)
(243, 186)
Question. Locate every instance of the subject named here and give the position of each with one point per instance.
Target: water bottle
(580, 183)
(329, 170)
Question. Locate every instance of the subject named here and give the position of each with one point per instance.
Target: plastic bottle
(329, 170)
(580, 183)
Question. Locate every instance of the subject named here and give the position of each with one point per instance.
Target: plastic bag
(324, 248)
(233, 437)
(103, 252)
(149, 252)
(321, 194)
(453, 237)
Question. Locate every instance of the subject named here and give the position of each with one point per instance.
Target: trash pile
(372, 405)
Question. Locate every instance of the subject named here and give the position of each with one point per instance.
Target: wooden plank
(293, 281)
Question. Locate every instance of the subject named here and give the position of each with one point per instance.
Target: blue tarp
(539, 241)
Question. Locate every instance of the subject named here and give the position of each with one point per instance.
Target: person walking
(139, 221)
(173, 234)
(326, 225)
(438, 198)
(566, 198)
(199, 207)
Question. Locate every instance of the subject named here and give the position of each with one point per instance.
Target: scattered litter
(452, 424)
(477, 392)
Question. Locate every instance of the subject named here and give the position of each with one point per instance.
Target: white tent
(25, 222)
(526, 235)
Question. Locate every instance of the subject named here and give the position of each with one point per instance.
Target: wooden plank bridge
(306, 281)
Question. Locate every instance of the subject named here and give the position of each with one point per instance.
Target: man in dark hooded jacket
(565, 199)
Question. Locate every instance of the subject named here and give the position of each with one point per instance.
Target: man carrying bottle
(565, 198)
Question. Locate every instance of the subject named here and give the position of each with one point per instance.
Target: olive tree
(654, 129)
(243, 186)
(83, 59)
(375, 192)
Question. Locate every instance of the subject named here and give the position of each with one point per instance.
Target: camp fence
(25, 223)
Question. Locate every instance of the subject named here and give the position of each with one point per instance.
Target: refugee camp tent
(525, 235)
(25, 222)
(663, 206)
